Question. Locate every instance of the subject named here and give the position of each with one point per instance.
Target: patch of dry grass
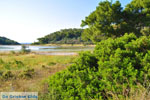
(43, 65)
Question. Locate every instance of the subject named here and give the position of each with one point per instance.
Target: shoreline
(59, 50)
(57, 53)
(82, 45)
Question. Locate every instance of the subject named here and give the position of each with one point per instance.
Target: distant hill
(64, 36)
(6, 41)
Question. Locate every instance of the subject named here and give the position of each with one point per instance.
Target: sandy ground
(57, 53)
(45, 53)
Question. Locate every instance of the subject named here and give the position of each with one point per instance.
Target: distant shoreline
(64, 49)
(92, 45)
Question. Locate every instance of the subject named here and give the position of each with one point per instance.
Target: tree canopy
(111, 20)
(6, 41)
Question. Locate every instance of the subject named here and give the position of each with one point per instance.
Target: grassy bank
(27, 72)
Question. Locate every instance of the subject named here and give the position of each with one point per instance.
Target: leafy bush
(51, 63)
(7, 65)
(7, 75)
(1, 73)
(115, 66)
(18, 64)
(12, 64)
(12, 52)
(24, 49)
(145, 31)
(1, 61)
(28, 73)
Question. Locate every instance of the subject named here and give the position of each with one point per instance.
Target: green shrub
(12, 64)
(1, 73)
(7, 65)
(18, 64)
(7, 75)
(28, 73)
(1, 61)
(12, 52)
(145, 31)
(116, 66)
(51, 63)
(24, 49)
(43, 66)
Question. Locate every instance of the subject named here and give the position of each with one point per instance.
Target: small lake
(42, 48)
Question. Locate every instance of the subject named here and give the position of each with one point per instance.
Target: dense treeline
(6, 41)
(65, 36)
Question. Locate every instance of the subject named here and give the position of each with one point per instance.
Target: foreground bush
(115, 67)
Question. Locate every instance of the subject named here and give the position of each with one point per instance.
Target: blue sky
(27, 20)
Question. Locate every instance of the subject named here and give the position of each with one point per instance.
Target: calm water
(40, 48)
(32, 48)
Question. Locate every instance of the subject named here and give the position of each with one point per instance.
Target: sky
(26, 20)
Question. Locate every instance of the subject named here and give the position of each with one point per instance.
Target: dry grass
(43, 65)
